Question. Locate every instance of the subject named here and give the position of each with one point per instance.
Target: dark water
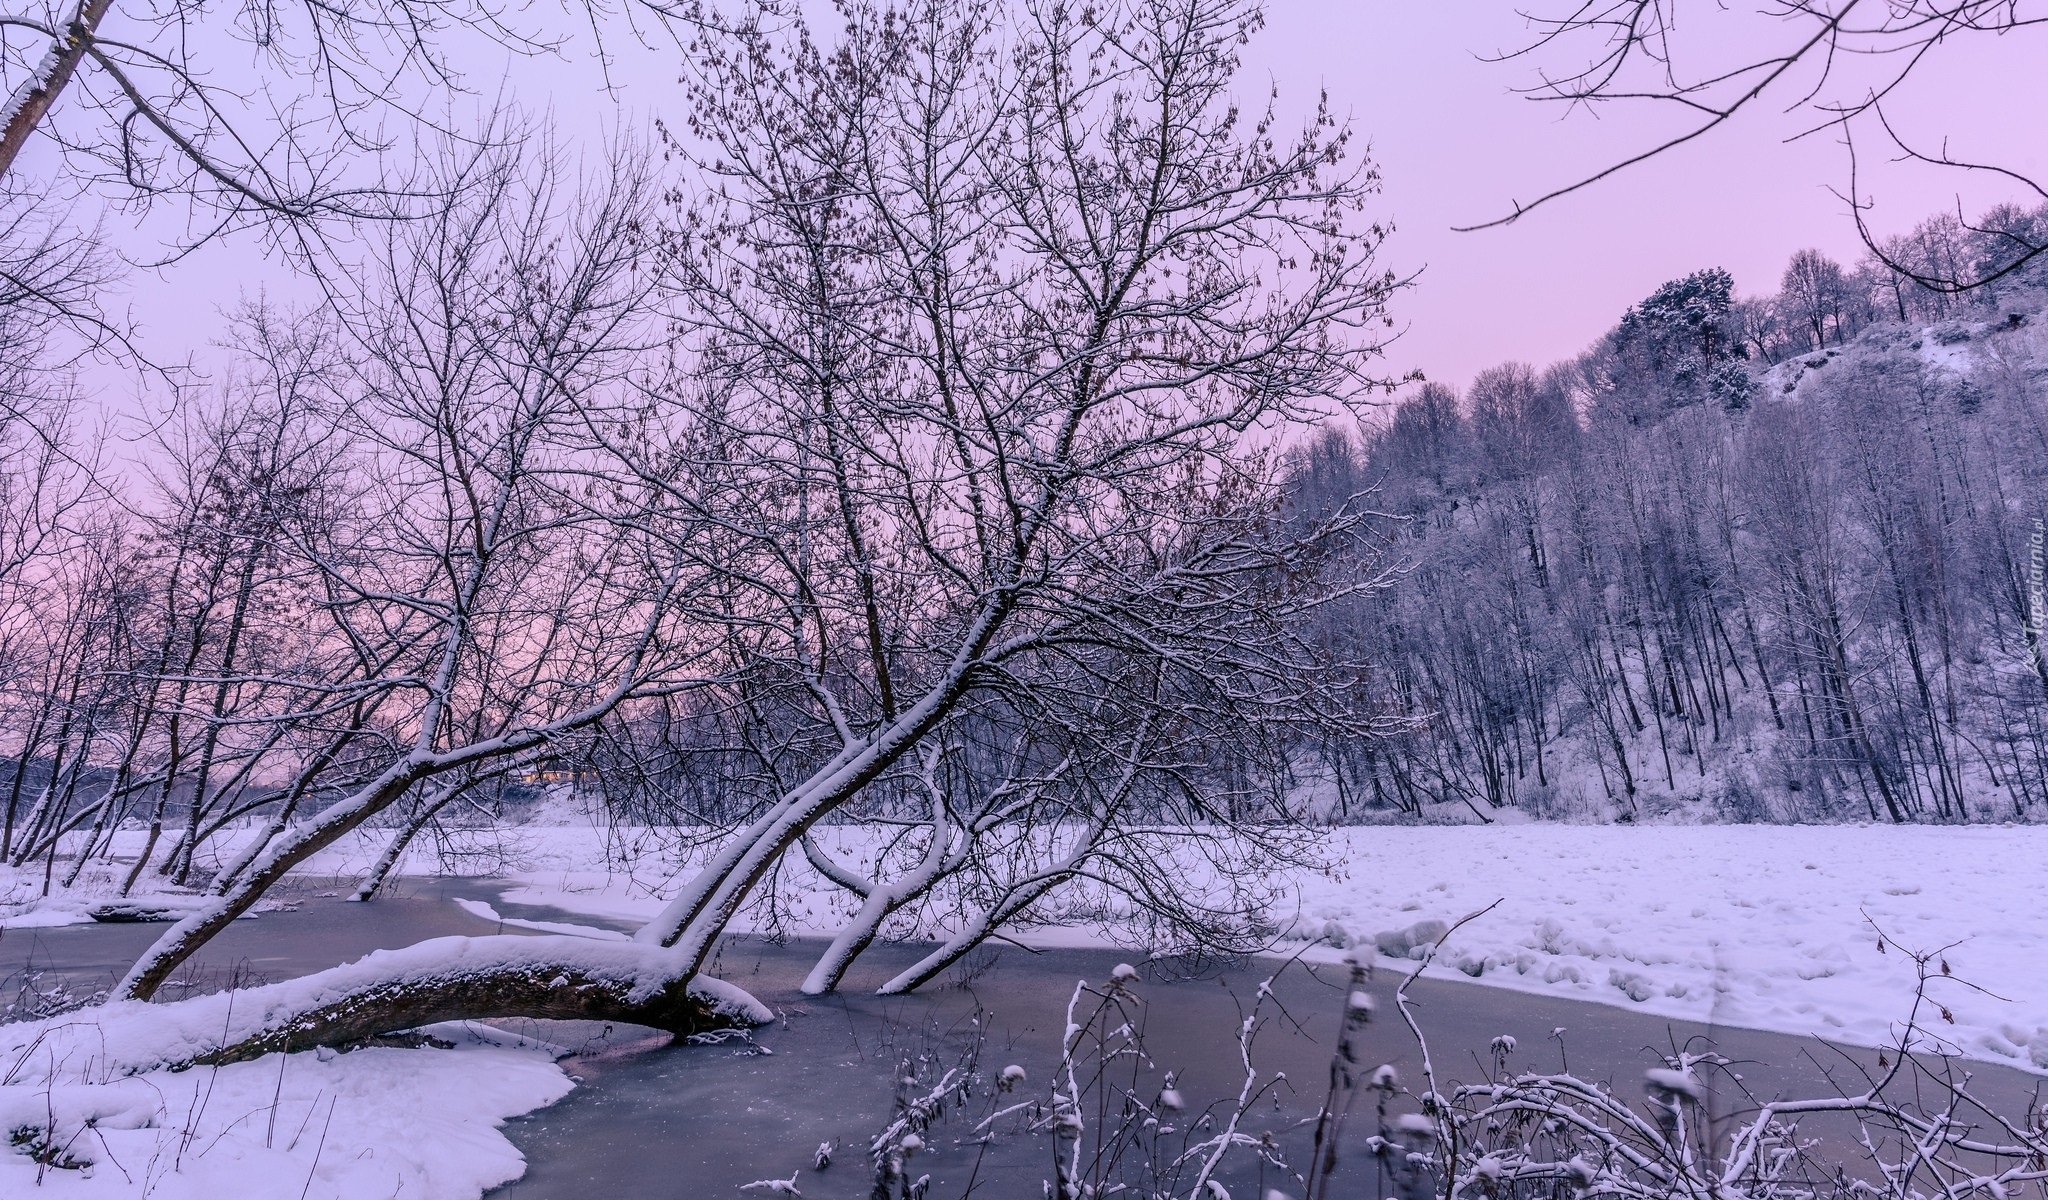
(311, 931)
(652, 1120)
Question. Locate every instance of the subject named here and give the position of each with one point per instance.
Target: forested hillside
(1766, 559)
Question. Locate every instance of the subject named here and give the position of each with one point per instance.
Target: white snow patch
(1749, 925)
(417, 1123)
(480, 908)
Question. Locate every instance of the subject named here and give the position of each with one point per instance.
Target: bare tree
(1815, 295)
(994, 325)
(481, 600)
(49, 518)
(152, 108)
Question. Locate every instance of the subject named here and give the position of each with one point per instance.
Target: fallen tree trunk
(444, 979)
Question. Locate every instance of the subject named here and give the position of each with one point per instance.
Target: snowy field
(1766, 927)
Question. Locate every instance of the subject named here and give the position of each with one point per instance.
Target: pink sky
(1455, 145)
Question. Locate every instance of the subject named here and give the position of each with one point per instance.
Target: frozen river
(650, 1120)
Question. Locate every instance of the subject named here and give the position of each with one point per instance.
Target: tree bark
(32, 101)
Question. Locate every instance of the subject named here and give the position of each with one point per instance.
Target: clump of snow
(95, 896)
(1411, 941)
(1666, 1083)
(87, 1098)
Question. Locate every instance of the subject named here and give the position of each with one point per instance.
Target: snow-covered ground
(371, 1123)
(1768, 927)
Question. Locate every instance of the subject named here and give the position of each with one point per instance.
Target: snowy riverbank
(370, 1123)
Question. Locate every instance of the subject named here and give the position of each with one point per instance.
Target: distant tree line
(1822, 303)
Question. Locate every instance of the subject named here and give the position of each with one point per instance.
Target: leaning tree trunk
(401, 838)
(694, 919)
(184, 939)
(976, 931)
(443, 979)
(945, 856)
(860, 932)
